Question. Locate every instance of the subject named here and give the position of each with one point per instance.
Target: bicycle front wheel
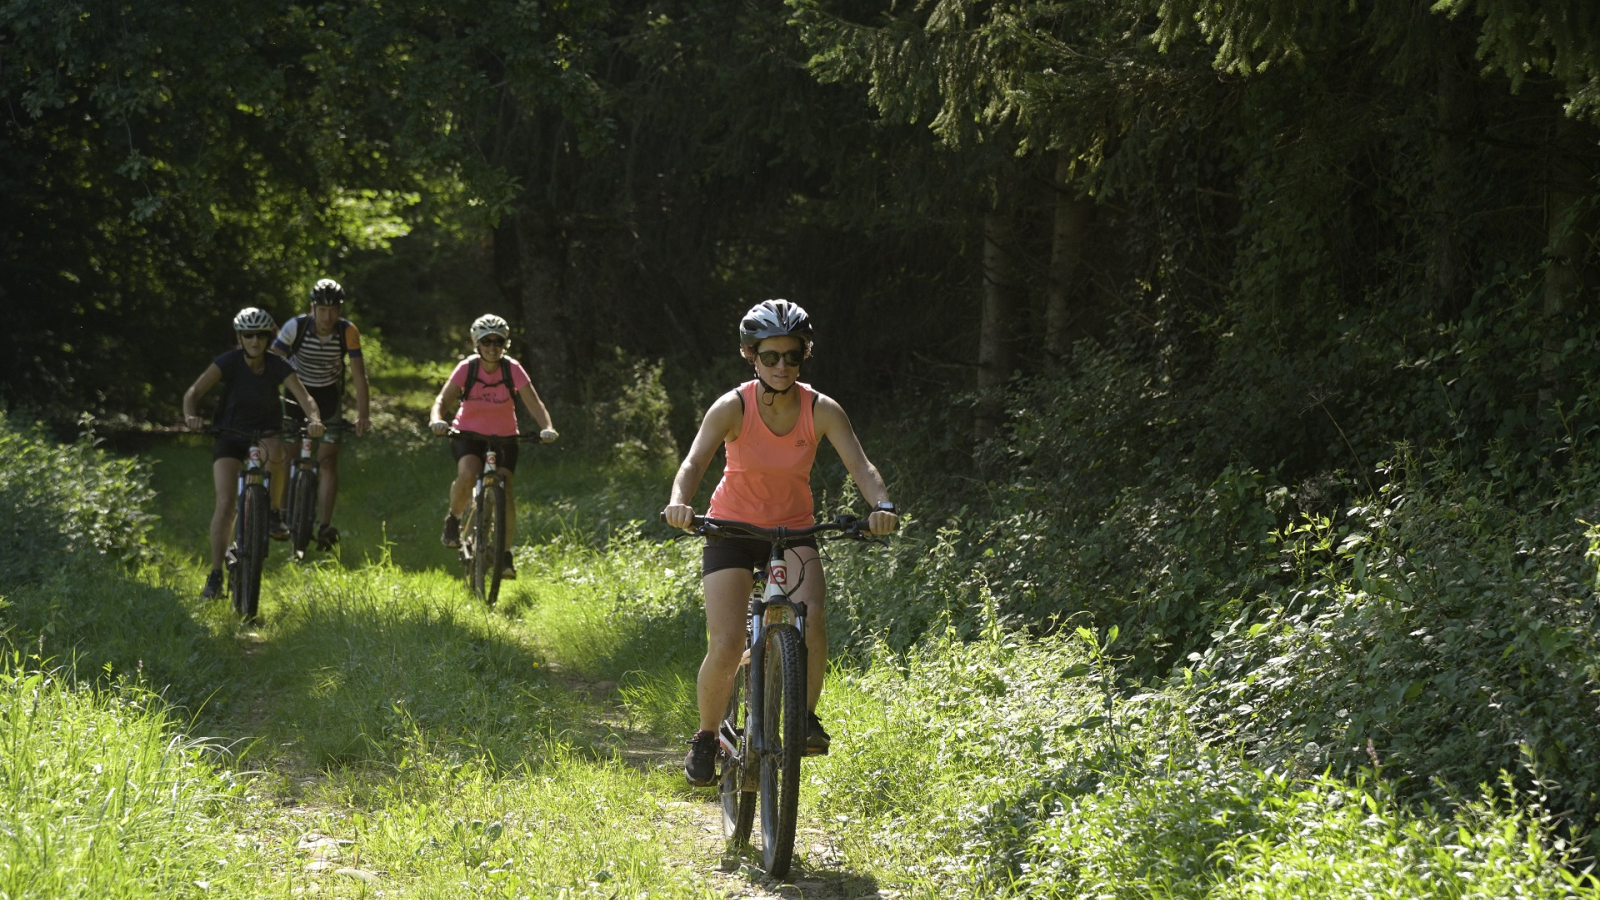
(738, 804)
(783, 730)
(252, 550)
(492, 521)
(302, 510)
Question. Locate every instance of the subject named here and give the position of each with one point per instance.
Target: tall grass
(101, 796)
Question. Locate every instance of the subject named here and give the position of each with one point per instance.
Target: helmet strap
(769, 394)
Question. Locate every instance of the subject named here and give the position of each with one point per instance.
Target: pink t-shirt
(767, 481)
(489, 407)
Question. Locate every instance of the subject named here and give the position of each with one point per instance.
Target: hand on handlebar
(548, 435)
(439, 426)
(679, 515)
(881, 523)
(194, 423)
(316, 429)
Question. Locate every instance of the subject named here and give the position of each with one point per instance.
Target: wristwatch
(886, 506)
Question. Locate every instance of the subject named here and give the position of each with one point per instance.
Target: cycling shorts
(230, 448)
(748, 553)
(327, 397)
(506, 458)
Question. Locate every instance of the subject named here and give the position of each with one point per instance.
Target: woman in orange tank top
(770, 427)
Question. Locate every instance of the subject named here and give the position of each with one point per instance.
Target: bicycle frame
(769, 605)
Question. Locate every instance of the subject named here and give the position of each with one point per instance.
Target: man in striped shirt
(317, 346)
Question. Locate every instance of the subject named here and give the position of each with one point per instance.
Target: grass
(383, 734)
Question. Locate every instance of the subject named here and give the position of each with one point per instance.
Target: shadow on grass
(380, 667)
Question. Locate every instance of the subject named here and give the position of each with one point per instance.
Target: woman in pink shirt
(770, 427)
(487, 406)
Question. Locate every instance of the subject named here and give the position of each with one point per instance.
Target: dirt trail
(819, 872)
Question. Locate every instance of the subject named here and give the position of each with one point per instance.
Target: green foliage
(992, 768)
(103, 799)
(60, 500)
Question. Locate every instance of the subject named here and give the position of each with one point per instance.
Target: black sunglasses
(492, 341)
(258, 335)
(794, 358)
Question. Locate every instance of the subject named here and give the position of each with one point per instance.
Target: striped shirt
(317, 362)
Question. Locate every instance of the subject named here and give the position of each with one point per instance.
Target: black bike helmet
(774, 318)
(327, 292)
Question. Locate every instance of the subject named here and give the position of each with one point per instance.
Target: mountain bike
(304, 481)
(483, 522)
(246, 557)
(762, 735)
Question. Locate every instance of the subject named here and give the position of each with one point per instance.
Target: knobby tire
(302, 510)
(494, 529)
(252, 550)
(738, 804)
(784, 731)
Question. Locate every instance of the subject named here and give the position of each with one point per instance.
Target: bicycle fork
(254, 468)
(772, 607)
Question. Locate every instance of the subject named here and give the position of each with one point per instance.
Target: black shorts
(505, 450)
(232, 448)
(748, 553)
(229, 448)
(328, 399)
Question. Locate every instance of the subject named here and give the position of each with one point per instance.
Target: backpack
(304, 323)
(472, 378)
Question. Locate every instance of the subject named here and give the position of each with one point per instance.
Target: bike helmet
(327, 292)
(774, 318)
(252, 319)
(490, 324)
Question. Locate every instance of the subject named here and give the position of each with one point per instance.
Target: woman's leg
(727, 591)
(511, 509)
(467, 470)
(810, 592)
(277, 469)
(224, 477)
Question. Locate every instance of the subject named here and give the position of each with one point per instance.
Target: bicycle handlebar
(240, 434)
(849, 527)
(295, 426)
(524, 436)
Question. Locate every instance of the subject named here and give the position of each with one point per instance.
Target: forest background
(1260, 330)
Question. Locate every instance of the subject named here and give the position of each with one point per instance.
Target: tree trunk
(995, 354)
(1444, 251)
(1566, 179)
(547, 332)
(1063, 318)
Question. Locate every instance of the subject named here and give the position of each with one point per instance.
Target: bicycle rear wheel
(252, 549)
(302, 509)
(783, 727)
(738, 804)
(493, 523)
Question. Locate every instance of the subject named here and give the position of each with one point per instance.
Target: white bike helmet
(252, 319)
(774, 318)
(490, 324)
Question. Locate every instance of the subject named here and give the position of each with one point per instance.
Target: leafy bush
(1012, 767)
(60, 501)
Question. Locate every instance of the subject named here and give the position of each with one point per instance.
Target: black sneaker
(452, 532)
(213, 588)
(817, 739)
(700, 765)
(327, 536)
(508, 566)
(277, 528)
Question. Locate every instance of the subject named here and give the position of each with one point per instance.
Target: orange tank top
(767, 479)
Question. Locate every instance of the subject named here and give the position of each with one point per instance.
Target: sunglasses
(492, 341)
(256, 335)
(769, 358)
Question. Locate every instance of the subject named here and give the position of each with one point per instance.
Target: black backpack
(472, 378)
